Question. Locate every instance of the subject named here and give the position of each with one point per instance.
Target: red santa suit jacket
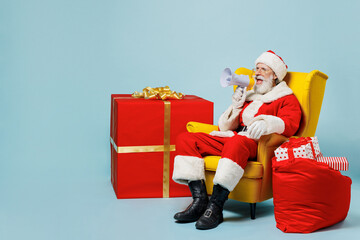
(279, 108)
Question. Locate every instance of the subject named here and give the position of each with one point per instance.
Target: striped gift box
(337, 163)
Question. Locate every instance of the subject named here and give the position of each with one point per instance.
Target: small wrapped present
(298, 148)
(308, 148)
(337, 163)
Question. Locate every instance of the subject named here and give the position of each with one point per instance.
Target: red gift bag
(308, 195)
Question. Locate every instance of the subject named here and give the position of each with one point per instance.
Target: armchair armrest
(201, 127)
(266, 147)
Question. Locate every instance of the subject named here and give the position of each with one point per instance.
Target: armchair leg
(252, 210)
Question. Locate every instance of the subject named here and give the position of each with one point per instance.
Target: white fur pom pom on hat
(275, 62)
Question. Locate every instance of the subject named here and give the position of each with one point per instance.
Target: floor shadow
(349, 222)
(184, 222)
(333, 227)
(242, 209)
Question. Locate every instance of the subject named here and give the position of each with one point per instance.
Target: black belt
(242, 128)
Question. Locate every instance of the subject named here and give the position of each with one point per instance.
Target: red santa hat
(275, 62)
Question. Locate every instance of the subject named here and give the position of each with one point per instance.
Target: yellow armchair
(256, 183)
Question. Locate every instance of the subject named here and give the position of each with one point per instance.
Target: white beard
(266, 85)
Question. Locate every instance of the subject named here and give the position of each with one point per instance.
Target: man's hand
(257, 129)
(238, 98)
(222, 134)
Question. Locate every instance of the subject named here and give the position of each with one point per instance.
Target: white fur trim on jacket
(228, 174)
(250, 111)
(188, 168)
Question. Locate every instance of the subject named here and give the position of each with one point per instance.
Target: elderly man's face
(264, 78)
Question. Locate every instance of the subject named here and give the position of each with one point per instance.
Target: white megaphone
(228, 79)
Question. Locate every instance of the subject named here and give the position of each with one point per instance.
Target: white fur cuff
(228, 174)
(229, 120)
(188, 168)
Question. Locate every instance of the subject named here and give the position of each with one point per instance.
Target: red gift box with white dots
(298, 148)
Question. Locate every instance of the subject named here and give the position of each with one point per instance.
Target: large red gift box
(142, 135)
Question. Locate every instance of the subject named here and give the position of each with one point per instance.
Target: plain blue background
(61, 60)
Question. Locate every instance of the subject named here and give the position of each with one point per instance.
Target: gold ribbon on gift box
(157, 93)
(162, 93)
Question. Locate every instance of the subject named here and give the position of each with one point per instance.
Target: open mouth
(259, 81)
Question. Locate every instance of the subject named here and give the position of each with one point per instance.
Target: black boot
(200, 201)
(213, 215)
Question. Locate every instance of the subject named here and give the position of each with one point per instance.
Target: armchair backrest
(309, 88)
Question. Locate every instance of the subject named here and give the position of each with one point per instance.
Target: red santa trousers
(192, 147)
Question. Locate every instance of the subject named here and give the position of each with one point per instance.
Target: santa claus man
(271, 107)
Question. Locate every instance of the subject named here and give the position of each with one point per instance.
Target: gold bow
(162, 93)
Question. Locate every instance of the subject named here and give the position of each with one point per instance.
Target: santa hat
(274, 62)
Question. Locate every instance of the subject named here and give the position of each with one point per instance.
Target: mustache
(260, 78)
